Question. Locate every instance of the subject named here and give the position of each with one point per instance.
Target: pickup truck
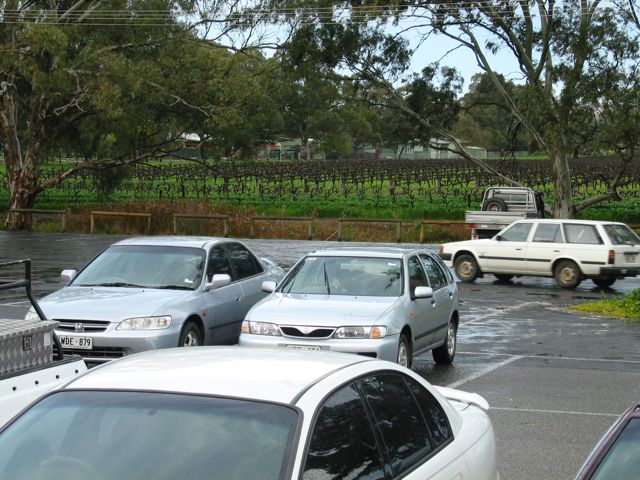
(31, 357)
(502, 206)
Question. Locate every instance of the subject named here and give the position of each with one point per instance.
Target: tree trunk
(563, 204)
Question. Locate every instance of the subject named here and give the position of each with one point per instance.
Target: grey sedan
(385, 303)
(156, 292)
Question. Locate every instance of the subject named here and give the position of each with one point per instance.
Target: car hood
(321, 310)
(109, 303)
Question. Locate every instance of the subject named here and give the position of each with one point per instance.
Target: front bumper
(619, 272)
(384, 348)
(114, 343)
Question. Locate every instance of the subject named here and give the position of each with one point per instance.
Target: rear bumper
(619, 272)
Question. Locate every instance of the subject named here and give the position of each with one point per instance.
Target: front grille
(88, 326)
(97, 352)
(320, 332)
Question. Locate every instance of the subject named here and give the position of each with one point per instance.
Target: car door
(421, 314)
(223, 306)
(506, 252)
(443, 295)
(249, 274)
(547, 243)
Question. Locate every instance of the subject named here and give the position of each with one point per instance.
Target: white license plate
(630, 257)
(81, 343)
(303, 347)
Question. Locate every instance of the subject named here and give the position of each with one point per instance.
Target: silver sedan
(390, 304)
(155, 292)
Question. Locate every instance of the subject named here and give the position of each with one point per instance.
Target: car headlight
(145, 323)
(260, 328)
(361, 332)
(31, 316)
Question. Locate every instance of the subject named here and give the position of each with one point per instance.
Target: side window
(243, 261)
(548, 233)
(342, 443)
(518, 233)
(444, 268)
(218, 263)
(579, 233)
(399, 420)
(437, 278)
(433, 413)
(417, 277)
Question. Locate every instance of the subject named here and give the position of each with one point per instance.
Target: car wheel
(495, 205)
(502, 277)
(604, 282)
(191, 336)
(567, 274)
(466, 268)
(446, 352)
(404, 352)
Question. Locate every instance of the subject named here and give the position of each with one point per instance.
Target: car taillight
(441, 248)
(612, 257)
(471, 225)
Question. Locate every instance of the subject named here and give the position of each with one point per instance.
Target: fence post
(339, 230)
(225, 233)
(253, 228)
(310, 236)
(93, 222)
(399, 231)
(421, 233)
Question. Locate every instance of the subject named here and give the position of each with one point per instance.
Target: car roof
(569, 220)
(375, 252)
(270, 375)
(171, 241)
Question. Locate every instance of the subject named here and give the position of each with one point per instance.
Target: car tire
(466, 268)
(446, 352)
(405, 354)
(605, 282)
(495, 205)
(191, 336)
(567, 274)
(503, 277)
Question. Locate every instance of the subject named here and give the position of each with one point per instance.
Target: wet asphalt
(556, 379)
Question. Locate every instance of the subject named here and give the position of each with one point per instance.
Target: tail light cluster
(612, 257)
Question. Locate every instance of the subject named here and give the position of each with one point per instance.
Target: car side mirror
(217, 281)
(423, 292)
(498, 238)
(68, 275)
(268, 286)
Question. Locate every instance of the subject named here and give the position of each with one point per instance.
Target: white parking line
(543, 357)
(483, 372)
(15, 304)
(563, 412)
(495, 312)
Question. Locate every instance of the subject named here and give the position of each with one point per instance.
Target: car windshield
(621, 235)
(102, 435)
(622, 461)
(361, 276)
(144, 266)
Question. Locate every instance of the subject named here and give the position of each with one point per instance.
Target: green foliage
(627, 308)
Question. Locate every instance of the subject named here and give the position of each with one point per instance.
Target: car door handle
(237, 299)
(556, 251)
(518, 249)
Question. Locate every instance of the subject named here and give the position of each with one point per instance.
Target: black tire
(503, 277)
(604, 282)
(405, 354)
(466, 267)
(191, 336)
(495, 205)
(567, 274)
(446, 352)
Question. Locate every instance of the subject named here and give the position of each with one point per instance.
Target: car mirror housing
(68, 275)
(423, 292)
(268, 286)
(217, 281)
(497, 237)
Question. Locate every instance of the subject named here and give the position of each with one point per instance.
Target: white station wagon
(568, 250)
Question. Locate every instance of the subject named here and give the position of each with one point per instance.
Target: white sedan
(568, 250)
(238, 413)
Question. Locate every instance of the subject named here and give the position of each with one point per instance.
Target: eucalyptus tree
(114, 82)
(561, 49)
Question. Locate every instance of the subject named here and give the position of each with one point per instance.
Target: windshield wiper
(326, 277)
(112, 284)
(174, 287)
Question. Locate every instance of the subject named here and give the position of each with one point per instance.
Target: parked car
(568, 250)
(390, 304)
(156, 292)
(234, 413)
(617, 454)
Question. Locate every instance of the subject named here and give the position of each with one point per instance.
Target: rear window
(621, 235)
